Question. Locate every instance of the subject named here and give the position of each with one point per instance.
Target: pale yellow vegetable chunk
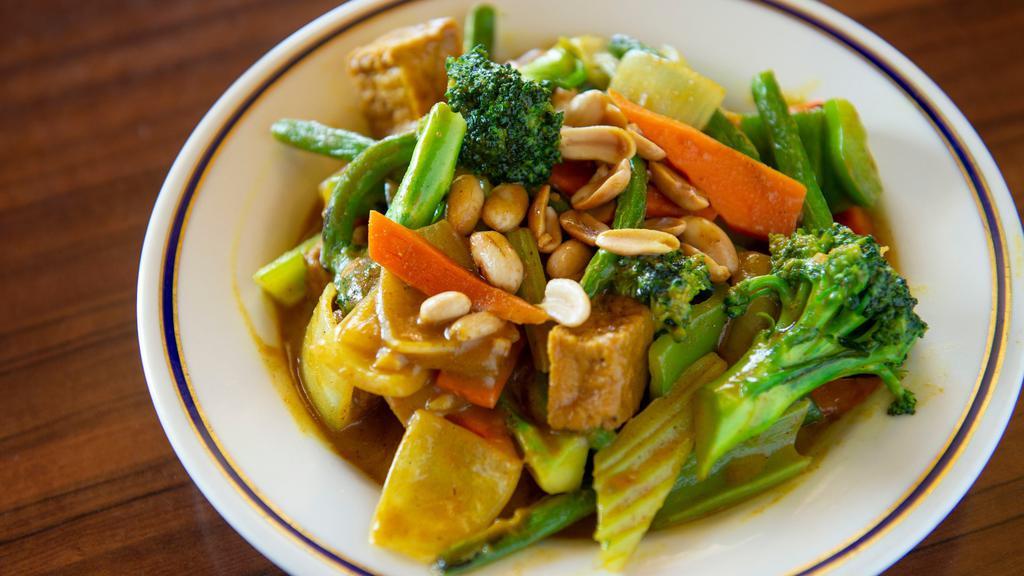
(445, 484)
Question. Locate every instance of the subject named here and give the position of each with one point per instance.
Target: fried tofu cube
(599, 369)
(401, 74)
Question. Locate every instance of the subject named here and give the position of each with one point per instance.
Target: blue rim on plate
(985, 201)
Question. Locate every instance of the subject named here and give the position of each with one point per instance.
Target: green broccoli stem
(527, 526)
(320, 139)
(767, 380)
(629, 213)
(358, 181)
(788, 150)
(431, 169)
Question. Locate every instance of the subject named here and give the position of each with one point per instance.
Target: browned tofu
(401, 74)
(599, 370)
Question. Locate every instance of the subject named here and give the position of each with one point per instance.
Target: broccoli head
(844, 311)
(512, 129)
(668, 283)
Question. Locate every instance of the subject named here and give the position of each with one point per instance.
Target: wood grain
(96, 100)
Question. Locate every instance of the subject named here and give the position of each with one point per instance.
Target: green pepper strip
(527, 526)
(720, 128)
(479, 29)
(532, 290)
(668, 358)
(320, 139)
(629, 213)
(361, 178)
(789, 151)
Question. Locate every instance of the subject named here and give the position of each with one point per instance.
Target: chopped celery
(532, 290)
(668, 87)
(634, 474)
(284, 279)
(556, 460)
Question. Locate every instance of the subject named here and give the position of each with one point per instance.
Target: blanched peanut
(667, 224)
(705, 236)
(582, 226)
(607, 144)
(586, 109)
(645, 148)
(498, 262)
(604, 213)
(675, 187)
(505, 208)
(614, 117)
(474, 326)
(569, 260)
(542, 225)
(603, 187)
(566, 302)
(716, 271)
(465, 202)
(444, 307)
(637, 242)
(561, 98)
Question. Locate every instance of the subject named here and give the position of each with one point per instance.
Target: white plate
(235, 198)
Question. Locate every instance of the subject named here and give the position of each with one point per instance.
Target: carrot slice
(658, 205)
(485, 423)
(856, 218)
(481, 391)
(422, 266)
(569, 176)
(750, 196)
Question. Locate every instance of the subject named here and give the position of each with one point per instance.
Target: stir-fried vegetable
(512, 129)
(738, 186)
(669, 357)
(416, 262)
(362, 178)
(667, 87)
(479, 29)
(532, 290)
(787, 148)
(722, 129)
(320, 139)
(629, 213)
(845, 311)
(284, 279)
(559, 65)
(668, 283)
(556, 460)
(849, 153)
(634, 474)
(431, 168)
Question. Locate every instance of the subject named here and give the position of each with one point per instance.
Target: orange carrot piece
(659, 206)
(422, 266)
(481, 391)
(570, 175)
(856, 218)
(840, 396)
(750, 196)
(486, 423)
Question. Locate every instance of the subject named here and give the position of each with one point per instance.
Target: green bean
(527, 526)
(720, 128)
(320, 139)
(479, 28)
(532, 290)
(360, 179)
(629, 213)
(788, 150)
(431, 169)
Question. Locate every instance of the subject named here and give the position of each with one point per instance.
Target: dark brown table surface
(96, 99)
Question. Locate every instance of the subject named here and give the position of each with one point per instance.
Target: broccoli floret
(844, 311)
(668, 283)
(512, 129)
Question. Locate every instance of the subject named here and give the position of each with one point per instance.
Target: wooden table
(96, 99)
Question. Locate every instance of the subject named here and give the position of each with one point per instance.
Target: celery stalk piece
(284, 279)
